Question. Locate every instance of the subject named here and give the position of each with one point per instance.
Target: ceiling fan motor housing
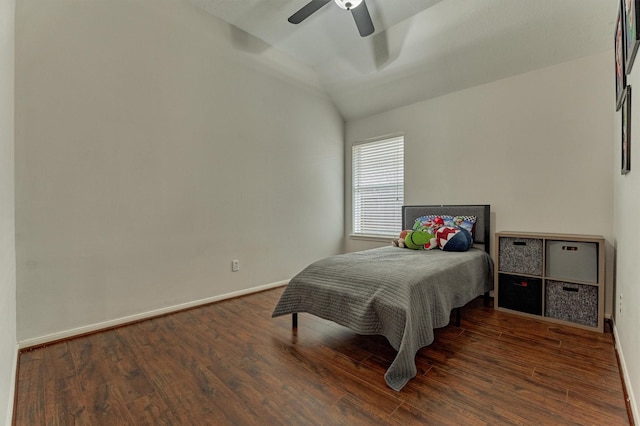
(348, 4)
(358, 9)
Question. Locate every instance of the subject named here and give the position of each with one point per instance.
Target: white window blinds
(378, 186)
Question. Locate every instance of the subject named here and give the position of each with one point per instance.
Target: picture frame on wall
(631, 35)
(626, 132)
(621, 79)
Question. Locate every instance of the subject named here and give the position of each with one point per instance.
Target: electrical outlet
(620, 305)
(235, 265)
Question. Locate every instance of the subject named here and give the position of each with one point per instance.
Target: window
(378, 186)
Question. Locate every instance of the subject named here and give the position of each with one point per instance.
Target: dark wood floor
(231, 363)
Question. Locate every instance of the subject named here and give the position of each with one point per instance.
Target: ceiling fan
(358, 9)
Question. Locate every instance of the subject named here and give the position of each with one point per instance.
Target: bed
(396, 292)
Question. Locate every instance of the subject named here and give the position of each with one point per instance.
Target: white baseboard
(625, 375)
(142, 316)
(12, 388)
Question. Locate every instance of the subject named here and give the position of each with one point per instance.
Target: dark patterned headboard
(482, 229)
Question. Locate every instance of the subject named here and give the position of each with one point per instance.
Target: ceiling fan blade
(363, 19)
(307, 10)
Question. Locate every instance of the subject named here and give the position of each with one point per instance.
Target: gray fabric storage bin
(573, 261)
(521, 255)
(572, 302)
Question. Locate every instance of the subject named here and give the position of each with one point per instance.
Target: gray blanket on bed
(399, 293)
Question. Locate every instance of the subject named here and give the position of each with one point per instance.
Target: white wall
(537, 147)
(154, 144)
(626, 190)
(8, 347)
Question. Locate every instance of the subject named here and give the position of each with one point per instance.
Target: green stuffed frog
(420, 239)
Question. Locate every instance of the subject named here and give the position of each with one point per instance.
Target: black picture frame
(631, 35)
(625, 153)
(621, 78)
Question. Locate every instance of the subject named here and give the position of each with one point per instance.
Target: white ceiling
(423, 48)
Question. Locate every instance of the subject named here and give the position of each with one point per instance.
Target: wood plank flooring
(230, 363)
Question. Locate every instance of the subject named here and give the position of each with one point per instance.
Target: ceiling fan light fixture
(358, 9)
(348, 4)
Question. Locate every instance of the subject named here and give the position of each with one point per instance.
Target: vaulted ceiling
(423, 48)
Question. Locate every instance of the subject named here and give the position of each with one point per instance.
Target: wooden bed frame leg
(487, 299)
(457, 317)
(294, 320)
